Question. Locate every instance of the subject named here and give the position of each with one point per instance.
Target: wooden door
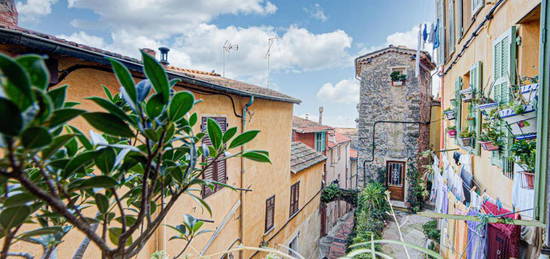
(395, 179)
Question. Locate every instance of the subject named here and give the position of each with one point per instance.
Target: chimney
(307, 116)
(8, 13)
(321, 109)
(164, 55)
(149, 51)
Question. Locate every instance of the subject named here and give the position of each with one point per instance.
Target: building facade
(394, 115)
(238, 217)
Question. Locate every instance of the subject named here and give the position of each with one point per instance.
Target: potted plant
(529, 92)
(451, 131)
(397, 78)
(524, 152)
(467, 94)
(466, 136)
(485, 105)
(520, 118)
(450, 113)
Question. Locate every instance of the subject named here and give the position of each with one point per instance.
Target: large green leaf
(14, 216)
(124, 78)
(244, 138)
(42, 231)
(19, 199)
(35, 137)
(63, 116)
(102, 202)
(228, 134)
(214, 133)
(110, 107)
(181, 104)
(114, 235)
(81, 160)
(45, 105)
(105, 161)
(56, 144)
(257, 156)
(58, 96)
(154, 106)
(36, 68)
(18, 88)
(108, 123)
(12, 121)
(81, 137)
(98, 181)
(155, 73)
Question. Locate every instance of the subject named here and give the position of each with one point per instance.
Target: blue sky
(311, 58)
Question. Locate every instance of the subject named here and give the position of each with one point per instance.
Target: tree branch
(79, 253)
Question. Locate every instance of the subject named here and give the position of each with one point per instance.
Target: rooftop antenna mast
(270, 42)
(227, 47)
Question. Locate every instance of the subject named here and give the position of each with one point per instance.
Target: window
(320, 140)
(451, 27)
(217, 171)
(294, 198)
(460, 13)
(504, 74)
(293, 246)
(476, 6)
(269, 213)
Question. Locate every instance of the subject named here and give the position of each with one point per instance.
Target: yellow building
(239, 217)
(490, 48)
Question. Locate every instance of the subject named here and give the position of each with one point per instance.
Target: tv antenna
(227, 47)
(270, 42)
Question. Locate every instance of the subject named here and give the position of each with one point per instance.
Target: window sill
(269, 230)
(293, 215)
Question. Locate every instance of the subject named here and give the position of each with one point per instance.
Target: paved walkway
(334, 244)
(411, 227)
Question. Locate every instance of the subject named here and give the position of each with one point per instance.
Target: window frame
(476, 9)
(294, 199)
(215, 167)
(320, 141)
(269, 207)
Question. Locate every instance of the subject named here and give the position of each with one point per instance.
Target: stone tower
(392, 111)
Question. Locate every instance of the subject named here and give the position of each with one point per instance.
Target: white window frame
(476, 6)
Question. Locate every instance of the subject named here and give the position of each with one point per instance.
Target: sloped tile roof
(25, 37)
(336, 139)
(303, 157)
(302, 125)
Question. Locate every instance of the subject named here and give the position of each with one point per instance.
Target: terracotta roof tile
(303, 157)
(302, 125)
(337, 138)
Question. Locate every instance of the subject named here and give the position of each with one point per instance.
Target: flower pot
(486, 108)
(450, 115)
(529, 92)
(467, 94)
(489, 145)
(451, 133)
(467, 142)
(397, 83)
(520, 124)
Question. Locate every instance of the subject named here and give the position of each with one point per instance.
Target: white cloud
(345, 91)
(161, 19)
(32, 10)
(316, 12)
(408, 39)
(86, 39)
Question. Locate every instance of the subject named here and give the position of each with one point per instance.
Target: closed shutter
(459, 25)
(458, 105)
(452, 29)
(294, 198)
(217, 171)
(504, 74)
(269, 212)
(476, 82)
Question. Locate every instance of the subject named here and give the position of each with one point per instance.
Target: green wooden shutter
(504, 74)
(476, 82)
(458, 106)
(452, 29)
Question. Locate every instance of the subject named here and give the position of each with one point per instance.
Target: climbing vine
(416, 188)
(333, 192)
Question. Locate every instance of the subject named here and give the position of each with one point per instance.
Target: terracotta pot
(489, 145)
(397, 83)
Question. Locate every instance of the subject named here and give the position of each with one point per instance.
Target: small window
(294, 198)
(320, 140)
(476, 6)
(269, 213)
(216, 171)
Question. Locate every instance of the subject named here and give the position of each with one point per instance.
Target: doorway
(395, 179)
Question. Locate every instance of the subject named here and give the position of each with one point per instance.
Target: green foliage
(431, 231)
(397, 76)
(416, 188)
(333, 192)
(56, 177)
(466, 134)
(525, 152)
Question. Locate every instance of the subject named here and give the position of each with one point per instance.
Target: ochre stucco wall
(508, 14)
(272, 118)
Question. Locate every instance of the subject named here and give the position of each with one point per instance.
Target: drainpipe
(241, 195)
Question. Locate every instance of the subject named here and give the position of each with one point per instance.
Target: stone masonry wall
(380, 101)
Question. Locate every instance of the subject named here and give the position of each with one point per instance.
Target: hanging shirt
(503, 239)
(466, 176)
(475, 201)
(431, 34)
(477, 238)
(436, 35)
(419, 44)
(522, 198)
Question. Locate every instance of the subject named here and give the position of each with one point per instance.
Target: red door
(395, 179)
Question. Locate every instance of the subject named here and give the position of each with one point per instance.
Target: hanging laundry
(424, 36)
(419, 44)
(533, 237)
(503, 239)
(475, 200)
(436, 35)
(461, 231)
(466, 176)
(477, 238)
(431, 34)
(522, 198)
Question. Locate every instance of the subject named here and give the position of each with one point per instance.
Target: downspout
(241, 194)
(541, 174)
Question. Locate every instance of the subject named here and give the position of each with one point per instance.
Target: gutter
(15, 37)
(241, 193)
